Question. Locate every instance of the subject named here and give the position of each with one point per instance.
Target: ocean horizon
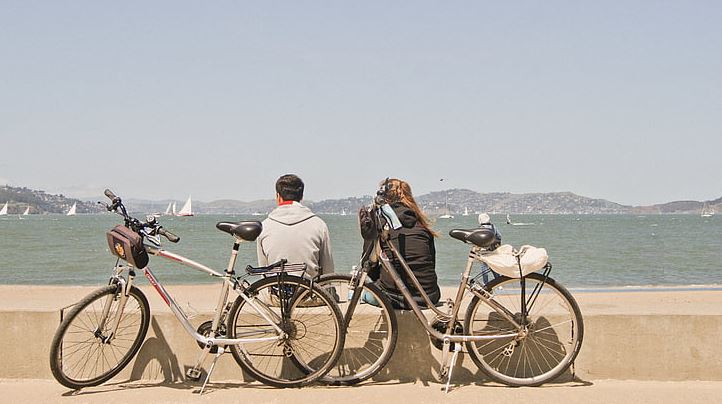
(588, 252)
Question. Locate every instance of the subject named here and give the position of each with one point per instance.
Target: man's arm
(325, 259)
(262, 258)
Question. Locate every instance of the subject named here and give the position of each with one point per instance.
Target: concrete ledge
(616, 346)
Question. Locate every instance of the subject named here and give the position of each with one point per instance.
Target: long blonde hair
(400, 191)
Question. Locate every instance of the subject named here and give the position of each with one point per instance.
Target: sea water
(587, 251)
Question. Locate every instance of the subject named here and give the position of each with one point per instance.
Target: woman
(415, 243)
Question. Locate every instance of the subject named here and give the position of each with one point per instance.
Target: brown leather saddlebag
(128, 245)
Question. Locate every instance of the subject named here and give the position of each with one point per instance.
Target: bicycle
(282, 329)
(519, 330)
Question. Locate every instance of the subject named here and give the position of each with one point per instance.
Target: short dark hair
(290, 187)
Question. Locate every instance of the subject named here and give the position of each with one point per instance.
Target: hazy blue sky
(613, 99)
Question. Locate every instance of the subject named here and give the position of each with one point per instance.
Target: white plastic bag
(505, 261)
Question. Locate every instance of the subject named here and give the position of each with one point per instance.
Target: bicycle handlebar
(170, 236)
(111, 196)
(135, 224)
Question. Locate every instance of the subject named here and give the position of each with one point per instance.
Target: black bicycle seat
(483, 237)
(247, 231)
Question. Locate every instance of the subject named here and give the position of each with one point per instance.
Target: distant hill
(680, 207)
(433, 203)
(458, 200)
(40, 202)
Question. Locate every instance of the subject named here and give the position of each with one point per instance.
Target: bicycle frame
(455, 307)
(228, 283)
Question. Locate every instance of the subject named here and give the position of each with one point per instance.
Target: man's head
(289, 188)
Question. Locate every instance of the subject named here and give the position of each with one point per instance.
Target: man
(292, 231)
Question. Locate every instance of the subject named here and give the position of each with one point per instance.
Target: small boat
(448, 214)
(187, 209)
(466, 212)
(4, 210)
(27, 211)
(173, 210)
(707, 211)
(508, 221)
(72, 210)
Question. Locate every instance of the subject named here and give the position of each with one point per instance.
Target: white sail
(173, 211)
(27, 211)
(448, 214)
(187, 209)
(168, 210)
(71, 212)
(466, 212)
(707, 211)
(4, 210)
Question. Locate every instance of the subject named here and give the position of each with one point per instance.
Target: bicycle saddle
(483, 237)
(247, 231)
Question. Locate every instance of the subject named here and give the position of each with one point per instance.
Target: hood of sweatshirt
(406, 215)
(291, 214)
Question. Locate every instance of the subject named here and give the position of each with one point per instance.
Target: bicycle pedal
(194, 374)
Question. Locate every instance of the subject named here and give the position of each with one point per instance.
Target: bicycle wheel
(311, 321)
(554, 331)
(371, 333)
(80, 354)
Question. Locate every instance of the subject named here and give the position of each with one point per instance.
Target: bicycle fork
(123, 289)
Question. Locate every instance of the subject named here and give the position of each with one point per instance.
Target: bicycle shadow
(155, 359)
(416, 360)
(155, 365)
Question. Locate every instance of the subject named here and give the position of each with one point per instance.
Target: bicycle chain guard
(441, 326)
(205, 330)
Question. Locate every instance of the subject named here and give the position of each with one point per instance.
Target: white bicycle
(282, 329)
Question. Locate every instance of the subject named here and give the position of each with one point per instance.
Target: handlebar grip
(170, 236)
(110, 195)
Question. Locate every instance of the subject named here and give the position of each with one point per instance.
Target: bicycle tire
(555, 332)
(78, 356)
(315, 332)
(371, 334)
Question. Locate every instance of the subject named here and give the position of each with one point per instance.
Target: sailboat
(173, 210)
(168, 211)
(4, 210)
(448, 214)
(187, 209)
(707, 211)
(27, 211)
(71, 212)
(466, 211)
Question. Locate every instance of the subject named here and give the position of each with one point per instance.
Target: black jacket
(416, 246)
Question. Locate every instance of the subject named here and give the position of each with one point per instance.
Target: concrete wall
(641, 347)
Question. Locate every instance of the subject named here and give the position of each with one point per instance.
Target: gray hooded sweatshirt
(295, 233)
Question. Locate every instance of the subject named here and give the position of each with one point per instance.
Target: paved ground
(601, 391)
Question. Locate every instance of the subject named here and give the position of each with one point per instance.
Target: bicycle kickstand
(454, 357)
(210, 370)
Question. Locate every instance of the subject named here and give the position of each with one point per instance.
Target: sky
(620, 100)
